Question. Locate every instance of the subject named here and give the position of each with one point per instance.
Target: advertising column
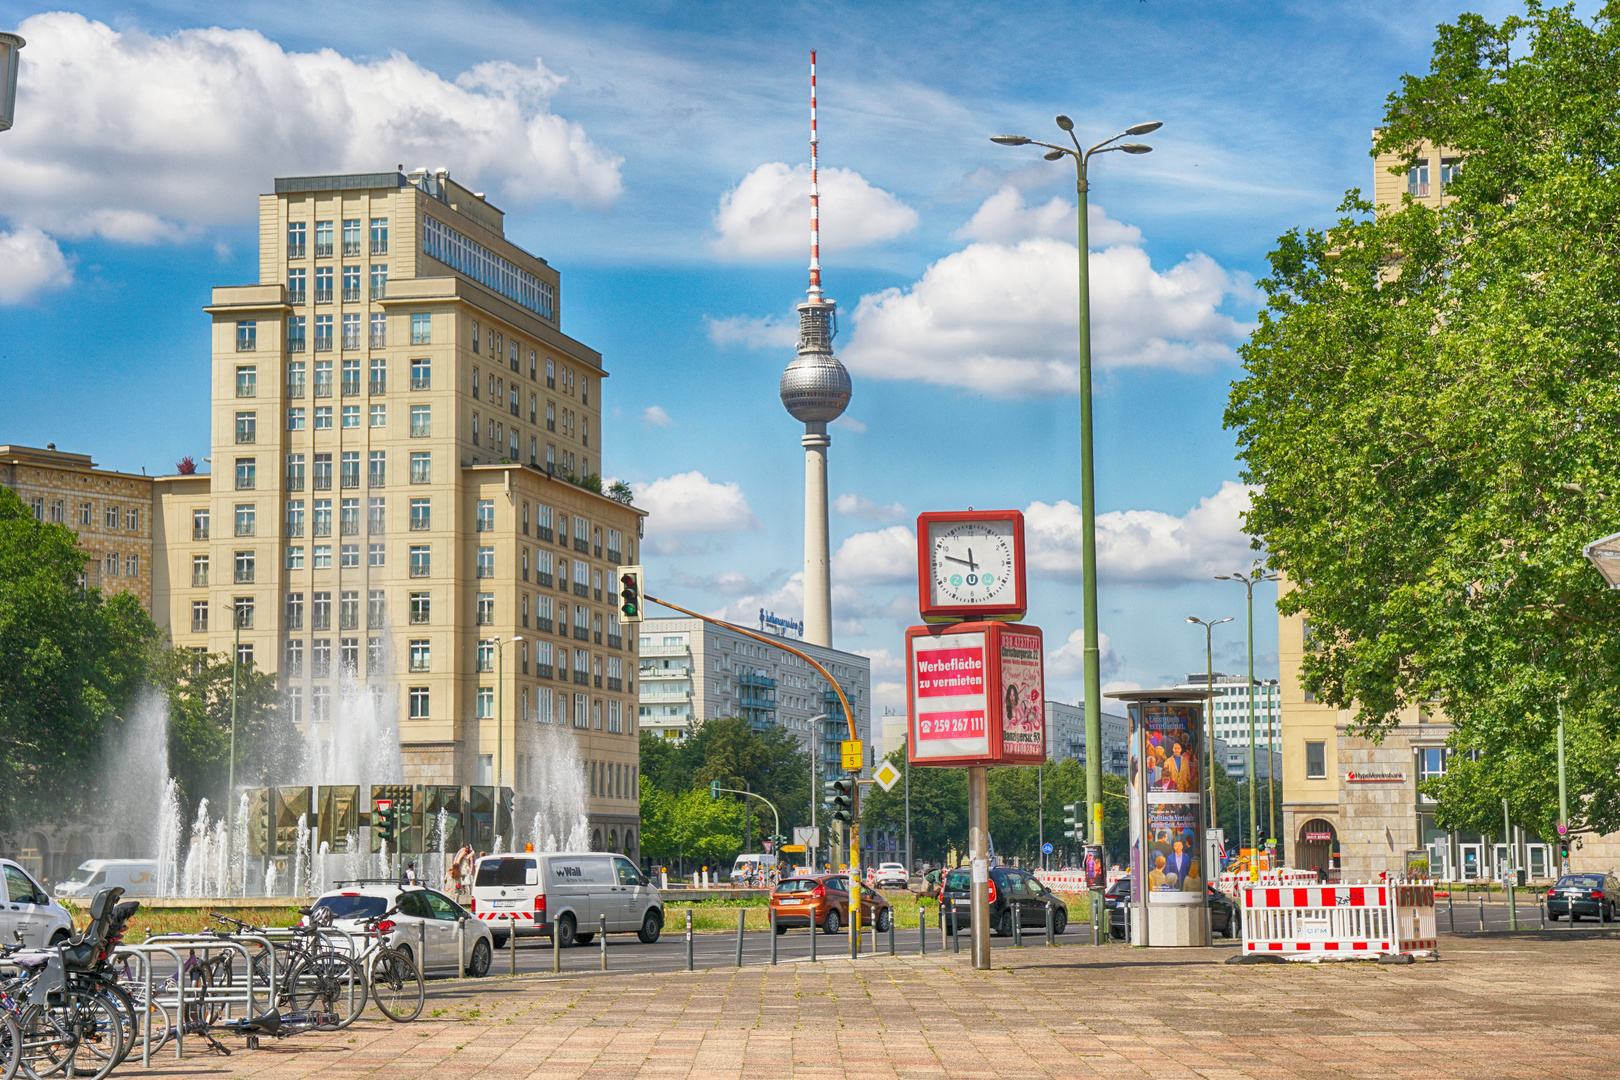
(1166, 783)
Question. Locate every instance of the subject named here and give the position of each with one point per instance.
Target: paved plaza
(1497, 1005)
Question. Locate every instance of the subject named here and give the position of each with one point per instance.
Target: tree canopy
(1429, 410)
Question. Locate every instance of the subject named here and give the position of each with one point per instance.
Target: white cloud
(655, 416)
(1004, 218)
(891, 695)
(885, 557)
(787, 602)
(1068, 661)
(1144, 546)
(849, 423)
(861, 507)
(767, 215)
(884, 662)
(999, 316)
(690, 503)
(138, 137)
(766, 332)
(30, 263)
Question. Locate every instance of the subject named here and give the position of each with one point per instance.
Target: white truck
(567, 894)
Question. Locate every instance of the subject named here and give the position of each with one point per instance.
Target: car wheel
(832, 922)
(1552, 916)
(478, 967)
(498, 939)
(1060, 921)
(59, 938)
(652, 925)
(564, 929)
(884, 920)
(780, 929)
(1004, 926)
(1574, 917)
(584, 939)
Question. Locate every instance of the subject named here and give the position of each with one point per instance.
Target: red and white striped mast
(815, 190)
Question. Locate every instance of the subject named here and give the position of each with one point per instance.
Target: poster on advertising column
(1166, 781)
(1022, 695)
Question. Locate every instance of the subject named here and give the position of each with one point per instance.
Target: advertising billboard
(976, 695)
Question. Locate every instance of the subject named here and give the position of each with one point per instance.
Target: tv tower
(815, 389)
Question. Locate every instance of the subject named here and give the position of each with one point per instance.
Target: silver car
(425, 924)
(27, 912)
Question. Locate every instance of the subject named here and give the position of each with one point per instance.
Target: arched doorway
(630, 846)
(596, 839)
(613, 839)
(1317, 845)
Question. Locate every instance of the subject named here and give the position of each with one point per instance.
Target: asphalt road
(1463, 916)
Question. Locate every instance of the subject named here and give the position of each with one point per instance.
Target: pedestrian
(1321, 875)
(407, 876)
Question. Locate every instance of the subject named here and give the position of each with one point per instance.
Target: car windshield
(499, 872)
(82, 874)
(1580, 881)
(353, 906)
(798, 885)
(958, 881)
(1122, 887)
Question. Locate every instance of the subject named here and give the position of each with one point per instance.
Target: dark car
(1007, 888)
(1225, 918)
(1583, 894)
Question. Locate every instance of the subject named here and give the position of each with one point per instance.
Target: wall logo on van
(567, 871)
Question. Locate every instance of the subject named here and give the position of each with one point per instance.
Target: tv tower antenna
(815, 389)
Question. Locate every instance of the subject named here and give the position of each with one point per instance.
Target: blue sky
(653, 153)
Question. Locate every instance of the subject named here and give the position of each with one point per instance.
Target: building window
(374, 656)
(295, 557)
(351, 236)
(243, 608)
(580, 715)
(247, 381)
(295, 517)
(1417, 179)
(551, 374)
(320, 611)
(379, 333)
(323, 239)
(351, 288)
(486, 609)
(421, 560)
(375, 555)
(295, 343)
(320, 557)
(377, 470)
(419, 702)
(1448, 171)
(421, 421)
(247, 335)
(247, 427)
(1431, 762)
(379, 415)
(421, 515)
(199, 616)
(349, 468)
(379, 236)
(421, 329)
(349, 609)
(246, 474)
(295, 419)
(376, 609)
(349, 655)
(295, 611)
(323, 418)
(486, 656)
(421, 607)
(295, 659)
(422, 374)
(320, 697)
(615, 719)
(244, 567)
(351, 334)
(244, 651)
(349, 517)
(1316, 761)
(422, 467)
(246, 520)
(376, 516)
(421, 655)
(475, 429)
(323, 340)
(484, 703)
(486, 562)
(296, 280)
(296, 235)
(486, 515)
(323, 286)
(351, 416)
(322, 524)
(199, 571)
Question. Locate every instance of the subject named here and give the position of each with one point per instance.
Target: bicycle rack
(227, 996)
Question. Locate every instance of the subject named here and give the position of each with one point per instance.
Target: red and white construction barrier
(1325, 921)
(1231, 883)
(1069, 881)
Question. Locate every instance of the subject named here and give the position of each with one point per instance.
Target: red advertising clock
(975, 695)
(970, 565)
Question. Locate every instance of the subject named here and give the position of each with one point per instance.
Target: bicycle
(393, 979)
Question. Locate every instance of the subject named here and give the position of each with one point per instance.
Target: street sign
(1563, 830)
(796, 849)
(1046, 849)
(887, 776)
(851, 750)
(805, 836)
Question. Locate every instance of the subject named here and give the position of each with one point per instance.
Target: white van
(25, 909)
(755, 866)
(137, 877)
(566, 893)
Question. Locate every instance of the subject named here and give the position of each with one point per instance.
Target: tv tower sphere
(815, 387)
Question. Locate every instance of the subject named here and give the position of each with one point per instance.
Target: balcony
(199, 581)
(664, 650)
(418, 617)
(596, 680)
(321, 482)
(542, 578)
(379, 247)
(296, 297)
(323, 387)
(582, 678)
(666, 673)
(244, 483)
(581, 634)
(199, 532)
(351, 247)
(582, 546)
(246, 528)
(351, 479)
(321, 528)
(581, 589)
(596, 594)
(295, 251)
(654, 696)
(544, 532)
(295, 481)
(421, 570)
(486, 571)
(614, 557)
(421, 382)
(199, 626)
(351, 387)
(597, 636)
(295, 528)
(351, 296)
(421, 524)
(295, 387)
(542, 624)
(615, 684)
(323, 251)
(375, 527)
(615, 641)
(323, 343)
(378, 341)
(596, 551)
(323, 296)
(542, 671)
(376, 479)
(350, 343)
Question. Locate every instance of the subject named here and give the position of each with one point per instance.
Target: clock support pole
(979, 862)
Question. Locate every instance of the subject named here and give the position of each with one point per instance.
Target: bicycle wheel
(332, 987)
(79, 1039)
(10, 1045)
(128, 1016)
(396, 985)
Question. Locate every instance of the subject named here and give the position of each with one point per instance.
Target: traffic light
(383, 819)
(1075, 820)
(630, 593)
(840, 799)
(714, 789)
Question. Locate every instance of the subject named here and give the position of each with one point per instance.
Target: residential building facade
(1066, 736)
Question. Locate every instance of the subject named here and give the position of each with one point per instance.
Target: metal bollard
(956, 937)
(461, 946)
(511, 945)
(556, 951)
(689, 939)
(891, 932)
(1541, 910)
(1018, 926)
(922, 930)
(1051, 938)
(815, 932)
(773, 936)
(742, 913)
(1451, 912)
(1482, 912)
(604, 941)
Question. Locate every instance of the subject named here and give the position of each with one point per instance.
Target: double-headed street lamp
(1088, 503)
(10, 44)
(1209, 626)
(1249, 581)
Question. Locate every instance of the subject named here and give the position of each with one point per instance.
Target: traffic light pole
(715, 789)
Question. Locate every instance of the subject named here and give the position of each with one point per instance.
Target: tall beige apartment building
(397, 419)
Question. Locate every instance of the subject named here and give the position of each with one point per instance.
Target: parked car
(137, 877)
(890, 875)
(567, 893)
(25, 907)
(823, 900)
(1008, 886)
(426, 924)
(1583, 894)
(1225, 917)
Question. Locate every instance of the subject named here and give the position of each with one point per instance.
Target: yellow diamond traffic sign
(886, 775)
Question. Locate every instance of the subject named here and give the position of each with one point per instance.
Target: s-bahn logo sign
(1375, 777)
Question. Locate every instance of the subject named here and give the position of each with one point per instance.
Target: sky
(656, 154)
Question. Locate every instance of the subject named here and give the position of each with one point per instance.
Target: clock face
(972, 563)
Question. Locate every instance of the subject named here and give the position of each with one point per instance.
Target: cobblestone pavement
(1519, 1006)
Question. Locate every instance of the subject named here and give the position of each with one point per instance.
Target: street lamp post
(500, 728)
(1209, 721)
(815, 748)
(1249, 581)
(1088, 502)
(230, 768)
(10, 44)
(1271, 765)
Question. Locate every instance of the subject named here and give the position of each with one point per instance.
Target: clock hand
(965, 562)
(971, 564)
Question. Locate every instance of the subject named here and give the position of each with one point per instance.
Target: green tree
(1429, 410)
(938, 809)
(689, 828)
(70, 659)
